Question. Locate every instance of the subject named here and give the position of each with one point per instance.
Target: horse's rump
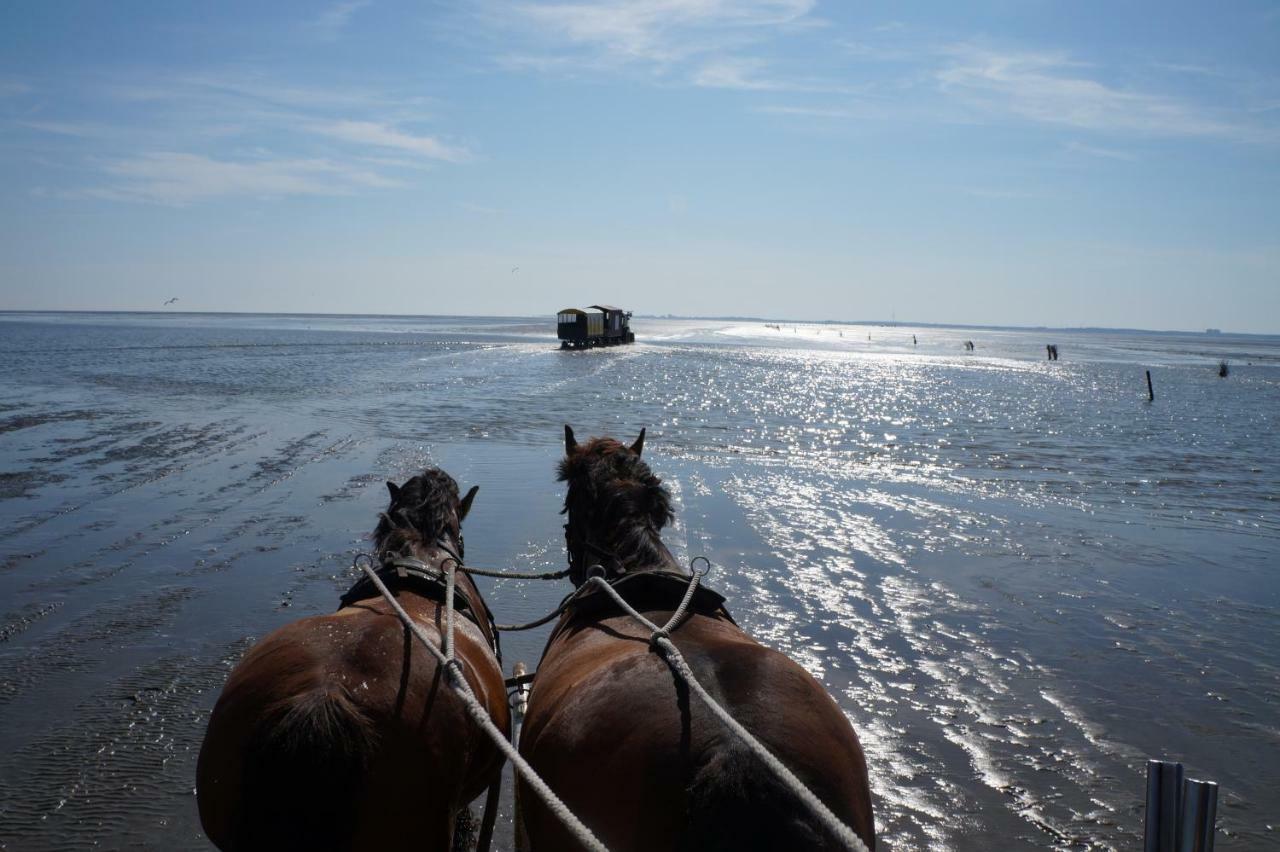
(734, 803)
(304, 768)
(679, 779)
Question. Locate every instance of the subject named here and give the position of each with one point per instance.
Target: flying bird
(514, 270)
(171, 301)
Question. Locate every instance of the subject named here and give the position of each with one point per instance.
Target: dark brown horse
(339, 732)
(621, 740)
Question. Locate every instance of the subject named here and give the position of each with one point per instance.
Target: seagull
(171, 301)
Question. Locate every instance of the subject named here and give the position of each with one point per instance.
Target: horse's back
(665, 773)
(326, 734)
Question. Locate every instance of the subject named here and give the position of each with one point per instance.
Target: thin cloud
(1184, 68)
(321, 141)
(379, 135)
(687, 39)
(246, 89)
(1098, 151)
(755, 75)
(174, 178)
(14, 88)
(79, 130)
(480, 209)
(737, 74)
(332, 21)
(806, 111)
(1000, 194)
(1050, 88)
(658, 30)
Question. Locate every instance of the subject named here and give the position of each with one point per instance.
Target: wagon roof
(606, 307)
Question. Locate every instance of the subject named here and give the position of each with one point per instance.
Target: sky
(991, 162)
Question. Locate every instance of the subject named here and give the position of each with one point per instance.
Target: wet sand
(1017, 579)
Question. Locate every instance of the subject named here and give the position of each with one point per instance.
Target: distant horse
(618, 736)
(339, 732)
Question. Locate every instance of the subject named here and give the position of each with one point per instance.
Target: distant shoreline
(828, 322)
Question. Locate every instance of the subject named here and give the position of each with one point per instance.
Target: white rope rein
(458, 681)
(660, 638)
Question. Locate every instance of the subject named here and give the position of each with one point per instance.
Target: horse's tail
(736, 803)
(303, 773)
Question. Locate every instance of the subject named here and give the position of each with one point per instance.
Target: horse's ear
(638, 446)
(394, 489)
(465, 505)
(570, 442)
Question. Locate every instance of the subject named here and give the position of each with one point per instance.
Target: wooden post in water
(1151, 394)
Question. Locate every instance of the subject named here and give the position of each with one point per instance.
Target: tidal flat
(1019, 578)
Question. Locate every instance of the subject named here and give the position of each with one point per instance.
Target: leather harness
(409, 574)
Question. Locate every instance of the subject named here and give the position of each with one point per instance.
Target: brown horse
(618, 736)
(340, 732)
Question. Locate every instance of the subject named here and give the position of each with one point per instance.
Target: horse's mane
(614, 494)
(419, 513)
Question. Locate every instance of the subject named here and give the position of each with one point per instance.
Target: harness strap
(406, 572)
(458, 682)
(660, 642)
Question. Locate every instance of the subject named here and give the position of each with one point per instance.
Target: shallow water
(1019, 578)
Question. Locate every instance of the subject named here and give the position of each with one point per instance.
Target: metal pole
(519, 706)
(1199, 816)
(1151, 394)
(1164, 795)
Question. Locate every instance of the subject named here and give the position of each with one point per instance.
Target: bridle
(578, 549)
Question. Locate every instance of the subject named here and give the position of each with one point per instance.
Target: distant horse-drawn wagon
(597, 325)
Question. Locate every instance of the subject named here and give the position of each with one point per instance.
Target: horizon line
(1209, 332)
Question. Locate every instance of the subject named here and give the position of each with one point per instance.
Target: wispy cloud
(707, 43)
(742, 74)
(13, 88)
(240, 89)
(806, 111)
(1185, 68)
(1052, 89)
(378, 135)
(77, 129)
(1000, 194)
(659, 31)
(1074, 147)
(328, 26)
(178, 179)
(194, 131)
(484, 210)
(909, 76)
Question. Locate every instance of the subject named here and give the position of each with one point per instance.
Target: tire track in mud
(123, 768)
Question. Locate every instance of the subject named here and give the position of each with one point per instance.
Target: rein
(398, 569)
(479, 713)
(660, 641)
